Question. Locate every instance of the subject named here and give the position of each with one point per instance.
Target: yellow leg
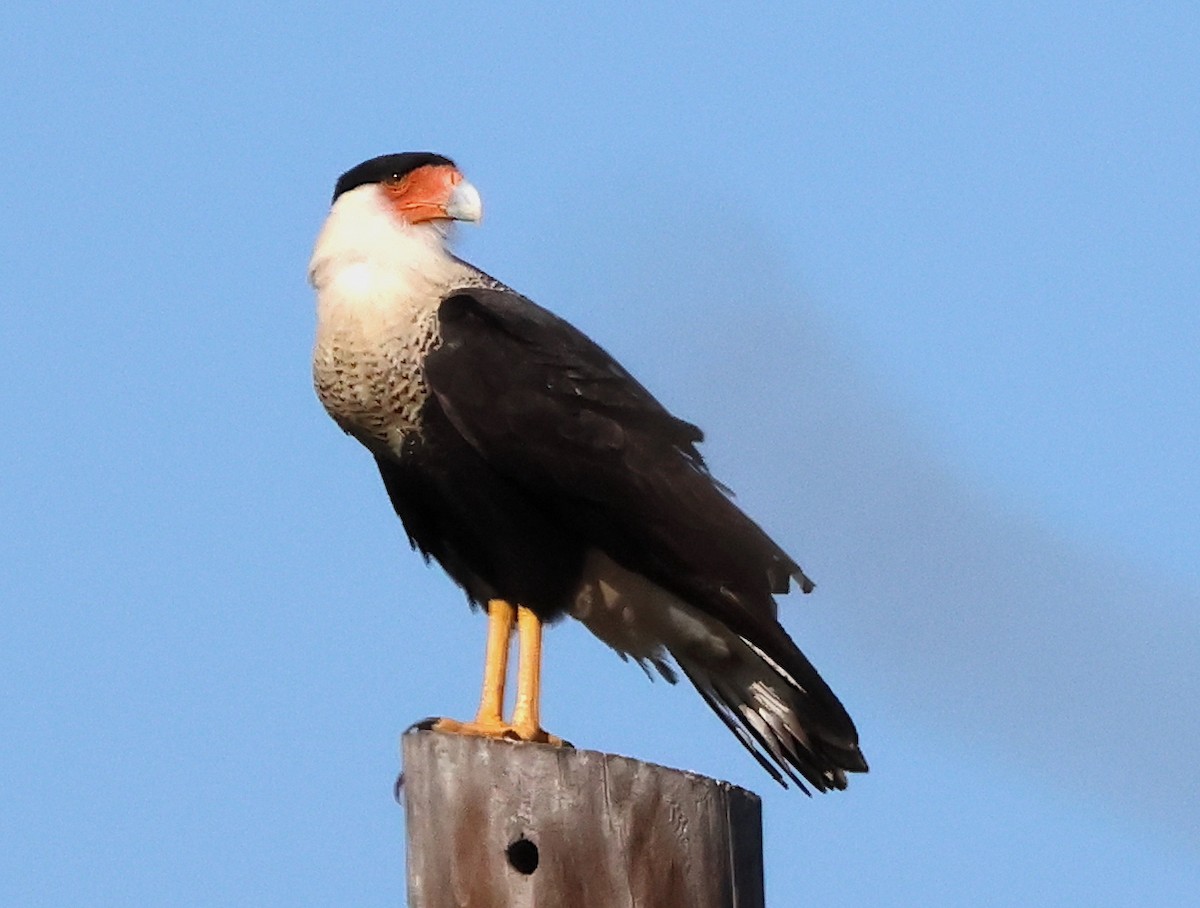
(526, 724)
(526, 714)
(489, 722)
(495, 664)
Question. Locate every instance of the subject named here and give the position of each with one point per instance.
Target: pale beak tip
(464, 203)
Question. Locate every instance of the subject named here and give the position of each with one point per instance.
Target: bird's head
(415, 187)
(396, 213)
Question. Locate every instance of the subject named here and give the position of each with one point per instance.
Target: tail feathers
(795, 734)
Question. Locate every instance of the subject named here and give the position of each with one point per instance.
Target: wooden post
(494, 824)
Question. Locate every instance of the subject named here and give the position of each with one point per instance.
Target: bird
(547, 482)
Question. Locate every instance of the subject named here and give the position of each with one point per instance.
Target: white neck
(363, 242)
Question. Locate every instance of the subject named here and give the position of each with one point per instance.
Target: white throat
(364, 249)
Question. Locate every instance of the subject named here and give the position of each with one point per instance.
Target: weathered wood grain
(493, 824)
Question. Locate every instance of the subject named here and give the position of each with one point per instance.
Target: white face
(369, 241)
(397, 221)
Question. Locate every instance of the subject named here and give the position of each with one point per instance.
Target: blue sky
(926, 274)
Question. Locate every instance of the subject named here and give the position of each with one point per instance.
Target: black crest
(385, 167)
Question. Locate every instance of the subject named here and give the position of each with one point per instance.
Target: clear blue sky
(927, 275)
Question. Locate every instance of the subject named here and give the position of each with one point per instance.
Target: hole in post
(523, 856)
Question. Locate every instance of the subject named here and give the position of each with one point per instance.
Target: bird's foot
(499, 730)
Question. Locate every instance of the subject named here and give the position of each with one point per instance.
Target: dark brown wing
(555, 414)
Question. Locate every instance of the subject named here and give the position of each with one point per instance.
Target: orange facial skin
(422, 194)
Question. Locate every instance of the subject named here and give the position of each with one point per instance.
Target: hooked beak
(464, 203)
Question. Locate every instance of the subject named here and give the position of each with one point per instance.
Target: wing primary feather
(739, 730)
